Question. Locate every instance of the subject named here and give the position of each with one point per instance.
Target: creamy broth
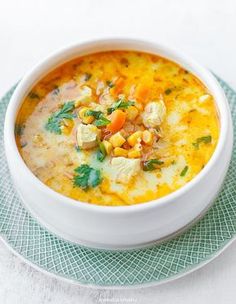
(117, 128)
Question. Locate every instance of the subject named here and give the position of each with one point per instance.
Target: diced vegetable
(152, 164)
(107, 146)
(132, 113)
(135, 138)
(147, 137)
(142, 92)
(87, 119)
(101, 154)
(184, 171)
(87, 177)
(117, 140)
(118, 118)
(120, 152)
(203, 139)
(134, 153)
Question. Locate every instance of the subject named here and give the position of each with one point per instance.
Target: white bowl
(129, 226)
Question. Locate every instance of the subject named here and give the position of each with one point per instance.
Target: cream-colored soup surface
(117, 128)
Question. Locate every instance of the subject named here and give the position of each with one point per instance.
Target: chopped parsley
(120, 104)
(110, 83)
(203, 139)
(78, 149)
(100, 119)
(54, 122)
(101, 154)
(151, 164)
(168, 91)
(86, 177)
(95, 114)
(184, 171)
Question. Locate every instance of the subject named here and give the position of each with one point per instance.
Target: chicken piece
(124, 169)
(87, 136)
(154, 114)
(85, 95)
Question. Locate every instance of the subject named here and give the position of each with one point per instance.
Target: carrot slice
(118, 118)
(142, 92)
(119, 85)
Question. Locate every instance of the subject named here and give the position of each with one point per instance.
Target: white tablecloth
(30, 29)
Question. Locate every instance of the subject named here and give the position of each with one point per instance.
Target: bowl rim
(55, 59)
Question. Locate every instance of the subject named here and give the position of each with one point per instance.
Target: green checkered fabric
(106, 268)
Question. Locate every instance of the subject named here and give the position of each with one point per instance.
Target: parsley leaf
(86, 177)
(78, 149)
(204, 139)
(102, 121)
(168, 91)
(54, 122)
(93, 113)
(149, 165)
(101, 154)
(184, 171)
(120, 104)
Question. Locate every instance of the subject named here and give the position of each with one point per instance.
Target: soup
(117, 128)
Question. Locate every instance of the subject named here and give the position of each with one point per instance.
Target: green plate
(148, 266)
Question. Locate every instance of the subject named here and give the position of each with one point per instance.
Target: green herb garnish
(120, 104)
(19, 129)
(78, 149)
(87, 177)
(204, 139)
(184, 171)
(168, 91)
(110, 83)
(101, 154)
(150, 164)
(102, 121)
(95, 114)
(54, 122)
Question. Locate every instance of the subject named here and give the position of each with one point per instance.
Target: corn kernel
(85, 119)
(134, 138)
(132, 113)
(147, 137)
(107, 146)
(66, 126)
(134, 153)
(120, 152)
(117, 140)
